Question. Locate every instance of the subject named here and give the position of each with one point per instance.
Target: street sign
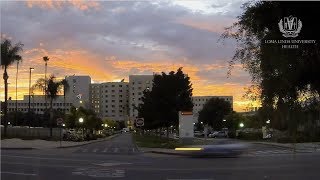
(59, 121)
(139, 122)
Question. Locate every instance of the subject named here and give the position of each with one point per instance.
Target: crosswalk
(108, 150)
(274, 152)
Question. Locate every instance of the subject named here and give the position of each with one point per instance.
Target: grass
(151, 141)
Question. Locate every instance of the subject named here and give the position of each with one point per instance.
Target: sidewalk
(315, 146)
(42, 144)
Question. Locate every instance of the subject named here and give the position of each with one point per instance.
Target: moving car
(222, 148)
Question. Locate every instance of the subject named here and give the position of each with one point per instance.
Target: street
(119, 158)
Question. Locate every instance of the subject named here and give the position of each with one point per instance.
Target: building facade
(79, 90)
(137, 84)
(110, 100)
(200, 101)
(37, 104)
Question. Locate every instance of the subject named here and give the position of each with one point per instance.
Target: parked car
(198, 134)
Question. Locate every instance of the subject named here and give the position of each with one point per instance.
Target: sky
(110, 40)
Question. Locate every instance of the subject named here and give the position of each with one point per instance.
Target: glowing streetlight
(105, 125)
(241, 125)
(224, 120)
(80, 120)
(201, 122)
(63, 125)
(268, 122)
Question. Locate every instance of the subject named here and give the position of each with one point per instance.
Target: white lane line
(41, 165)
(132, 149)
(115, 150)
(95, 150)
(15, 173)
(105, 150)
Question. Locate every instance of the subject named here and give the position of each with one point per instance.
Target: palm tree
(45, 59)
(9, 55)
(52, 89)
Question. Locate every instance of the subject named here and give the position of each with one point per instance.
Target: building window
(120, 95)
(106, 111)
(139, 93)
(112, 106)
(112, 91)
(112, 95)
(106, 106)
(120, 100)
(106, 91)
(106, 95)
(120, 85)
(112, 86)
(120, 90)
(106, 101)
(113, 111)
(139, 88)
(112, 101)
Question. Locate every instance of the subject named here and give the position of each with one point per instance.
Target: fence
(31, 132)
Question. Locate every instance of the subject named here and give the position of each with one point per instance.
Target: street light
(81, 121)
(63, 125)
(201, 122)
(224, 120)
(31, 69)
(268, 122)
(241, 125)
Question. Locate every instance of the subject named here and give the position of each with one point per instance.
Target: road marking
(105, 150)
(132, 149)
(115, 150)
(35, 157)
(112, 164)
(23, 174)
(95, 150)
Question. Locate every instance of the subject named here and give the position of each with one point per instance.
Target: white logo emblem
(290, 26)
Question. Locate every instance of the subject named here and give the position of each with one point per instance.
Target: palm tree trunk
(45, 86)
(5, 109)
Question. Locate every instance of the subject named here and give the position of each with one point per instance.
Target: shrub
(250, 135)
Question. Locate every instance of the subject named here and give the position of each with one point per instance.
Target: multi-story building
(114, 99)
(200, 101)
(79, 90)
(37, 104)
(137, 84)
(95, 96)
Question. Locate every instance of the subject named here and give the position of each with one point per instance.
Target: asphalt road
(119, 158)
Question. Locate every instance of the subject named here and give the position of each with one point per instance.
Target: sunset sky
(110, 40)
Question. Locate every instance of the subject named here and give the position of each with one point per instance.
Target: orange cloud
(83, 63)
(53, 4)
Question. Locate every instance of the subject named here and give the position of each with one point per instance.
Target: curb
(17, 148)
(167, 153)
(276, 145)
(100, 140)
(77, 145)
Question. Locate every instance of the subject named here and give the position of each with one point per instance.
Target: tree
(52, 88)
(283, 75)
(214, 111)
(9, 55)
(170, 94)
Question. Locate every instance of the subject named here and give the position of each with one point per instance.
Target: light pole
(31, 69)
(81, 121)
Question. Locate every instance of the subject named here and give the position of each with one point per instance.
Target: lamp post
(81, 121)
(31, 69)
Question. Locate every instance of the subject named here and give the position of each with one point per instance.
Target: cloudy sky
(110, 40)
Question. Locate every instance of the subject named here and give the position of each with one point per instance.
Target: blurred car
(223, 148)
(219, 134)
(213, 134)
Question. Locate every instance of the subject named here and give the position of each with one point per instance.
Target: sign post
(139, 123)
(59, 123)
